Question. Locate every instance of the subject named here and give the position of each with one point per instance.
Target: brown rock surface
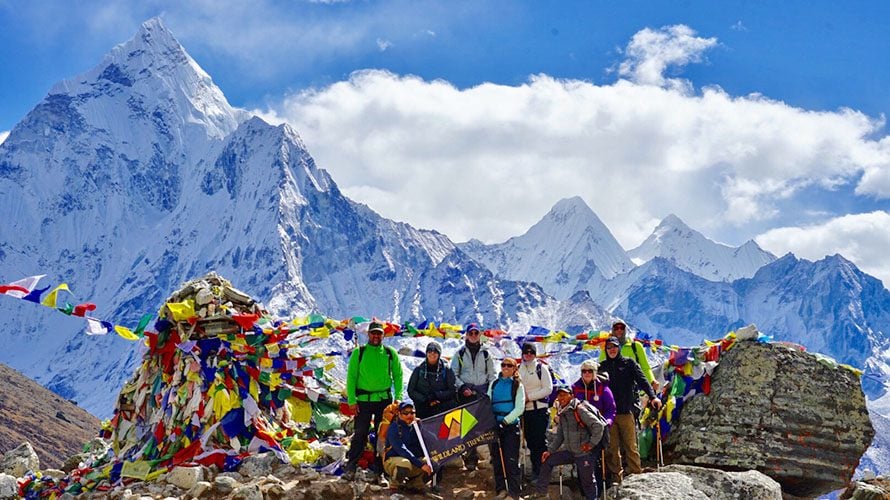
(780, 411)
(55, 427)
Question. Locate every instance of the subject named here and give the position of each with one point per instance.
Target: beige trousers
(623, 434)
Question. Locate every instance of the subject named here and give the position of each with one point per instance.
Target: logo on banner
(457, 424)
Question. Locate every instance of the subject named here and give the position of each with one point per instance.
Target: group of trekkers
(592, 420)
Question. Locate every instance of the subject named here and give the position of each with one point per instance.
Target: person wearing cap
(593, 387)
(373, 378)
(473, 369)
(625, 376)
(405, 460)
(507, 403)
(538, 385)
(632, 349)
(577, 435)
(432, 388)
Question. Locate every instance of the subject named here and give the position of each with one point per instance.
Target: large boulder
(773, 408)
(20, 460)
(689, 482)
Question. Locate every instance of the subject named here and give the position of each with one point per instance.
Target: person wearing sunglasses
(373, 377)
(632, 349)
(625, 376)
(507, 403)
(538, 385)
(593, 387)
(473, 369)
(405, 460)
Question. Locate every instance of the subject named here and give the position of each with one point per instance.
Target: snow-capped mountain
(568, 250)
(138, 175)
(692, 251)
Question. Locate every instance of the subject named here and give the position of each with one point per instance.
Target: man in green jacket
(373, 378)
(631, 349)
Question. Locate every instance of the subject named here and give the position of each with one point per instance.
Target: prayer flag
(50, 300)
(21, 288)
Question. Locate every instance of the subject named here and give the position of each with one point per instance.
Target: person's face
(432, 357)
(473, 336)
(508, 369)
(619, 331)
(587, 375)
(375, 338)
(407, 415)
(612, 351)
(563, 398)
(528, 356)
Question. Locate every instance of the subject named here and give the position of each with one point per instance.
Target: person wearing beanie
(538, 384)
(473, 369)
(625, 376)
(593, 387)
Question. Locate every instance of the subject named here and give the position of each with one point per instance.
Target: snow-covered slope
(691, 251)
(568, 250)
(137, 176)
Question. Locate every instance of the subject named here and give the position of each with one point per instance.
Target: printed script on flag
(453, 432)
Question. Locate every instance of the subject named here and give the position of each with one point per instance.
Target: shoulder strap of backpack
(538, 369)
(485, 356)
(578, 419)
(633, 347)
(515, 388)
(361, 354)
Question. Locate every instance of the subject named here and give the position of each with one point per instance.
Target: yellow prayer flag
(138, 469)
(300, 411)
(182, 311)
(125, 332)
(50, 300)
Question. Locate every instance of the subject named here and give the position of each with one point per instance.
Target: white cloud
(489, 161)
(382, 44)
(861, 238)
(3, 136)
(651, 52)
(738, 26)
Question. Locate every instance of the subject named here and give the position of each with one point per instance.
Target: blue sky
(763, 120)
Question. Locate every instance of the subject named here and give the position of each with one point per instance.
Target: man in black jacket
(432, 384)
(625, 378)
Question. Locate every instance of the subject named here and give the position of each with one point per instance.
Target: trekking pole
(658, 446)
(503, 465)
(522, 445)
(560, 480)
(603, 465)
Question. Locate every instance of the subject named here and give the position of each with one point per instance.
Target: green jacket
(376, 378)
(634, 350)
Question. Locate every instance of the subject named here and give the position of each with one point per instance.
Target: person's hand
(586, 447)
(467, 392)
(545, 456)
(353, 409)
(434, 402)
(426, 468)
(656, 403)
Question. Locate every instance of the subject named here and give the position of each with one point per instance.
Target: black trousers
(366, 411)
(506, 447)
(535, 428)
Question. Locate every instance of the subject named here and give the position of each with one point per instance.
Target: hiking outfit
(404, 456)
(507, 403)
(579, 432)
(473, 368)
(373, 377)
(625, 377)
(538, 385)
(432, 384)
(598, 394)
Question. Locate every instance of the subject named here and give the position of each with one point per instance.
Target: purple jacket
(599, 395)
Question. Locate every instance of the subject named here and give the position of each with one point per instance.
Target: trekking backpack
(390, 413)
(553, 378)
(604, 440)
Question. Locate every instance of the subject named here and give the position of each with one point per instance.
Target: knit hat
(590, 364)
(617, 323)
(529, 348)
(434, 346)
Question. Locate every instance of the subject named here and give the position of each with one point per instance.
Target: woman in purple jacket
(593, 387)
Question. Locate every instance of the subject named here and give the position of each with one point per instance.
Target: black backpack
(553, 378)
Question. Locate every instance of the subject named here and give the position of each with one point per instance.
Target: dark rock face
(780, 411)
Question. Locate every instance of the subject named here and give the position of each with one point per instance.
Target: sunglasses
(529, 352)
(406, 413)
(586, 371)
(375, 332)
(506, 365)
(618, 328)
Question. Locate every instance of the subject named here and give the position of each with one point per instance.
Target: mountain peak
(672, 221)
(573, 204)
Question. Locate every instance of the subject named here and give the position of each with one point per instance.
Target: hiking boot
(429, 493)
(348, 475)
(501, 495)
